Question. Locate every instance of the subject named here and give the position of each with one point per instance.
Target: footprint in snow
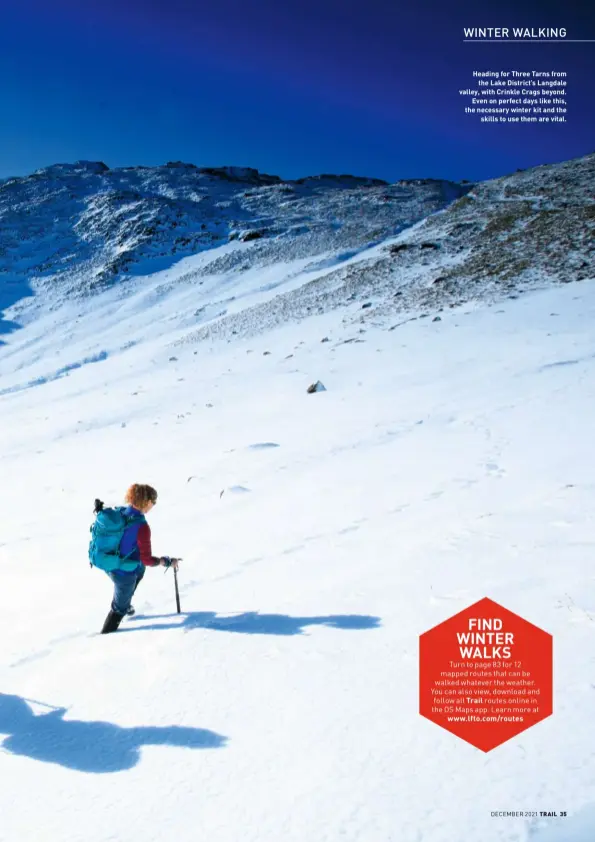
(65, 637)
(291, 550)
(266, 445)
(577, 613)
(36, 656)
(347, 529)
(250, 561)
(495, 470)
(398, 509)
(44, 653)
(235, 489)
(465, 482)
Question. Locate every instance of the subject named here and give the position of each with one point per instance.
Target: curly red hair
(139, 495)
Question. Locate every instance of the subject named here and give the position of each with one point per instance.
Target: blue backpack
(106, 534)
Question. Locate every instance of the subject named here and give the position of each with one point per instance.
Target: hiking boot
(112, 621)
(131, 611)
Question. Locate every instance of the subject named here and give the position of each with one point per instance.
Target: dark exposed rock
(244, 174)
(316, 387)
(181, 165)
(246, 236)
(397, 248)
(342, 180)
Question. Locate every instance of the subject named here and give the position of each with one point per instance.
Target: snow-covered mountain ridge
(229, 252)
(76, 228)
(527, 230)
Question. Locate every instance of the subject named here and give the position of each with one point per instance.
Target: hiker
(134, 553)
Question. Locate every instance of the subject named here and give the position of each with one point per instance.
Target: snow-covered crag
(531, 228)
(311, 244)
(77, 228)
(522, 231)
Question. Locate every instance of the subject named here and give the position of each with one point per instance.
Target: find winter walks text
(485, 674)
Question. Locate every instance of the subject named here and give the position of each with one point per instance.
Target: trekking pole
(168, 565)
(177, 591)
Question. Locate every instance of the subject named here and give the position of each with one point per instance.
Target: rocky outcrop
(76, 228)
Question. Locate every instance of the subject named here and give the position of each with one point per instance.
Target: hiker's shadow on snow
(252, 622)
(95, 747)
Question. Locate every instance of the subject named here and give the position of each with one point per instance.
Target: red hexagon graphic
(485, 674)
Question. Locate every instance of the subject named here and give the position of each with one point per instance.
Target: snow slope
(75, 229)
(446, 461)
(239, 252)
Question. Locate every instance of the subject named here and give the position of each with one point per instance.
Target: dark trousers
(125, 585)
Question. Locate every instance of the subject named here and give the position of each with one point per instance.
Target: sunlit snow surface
(321, 534)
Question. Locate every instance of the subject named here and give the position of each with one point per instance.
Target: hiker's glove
(167, 562)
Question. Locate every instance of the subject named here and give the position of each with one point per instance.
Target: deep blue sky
(291, 87)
